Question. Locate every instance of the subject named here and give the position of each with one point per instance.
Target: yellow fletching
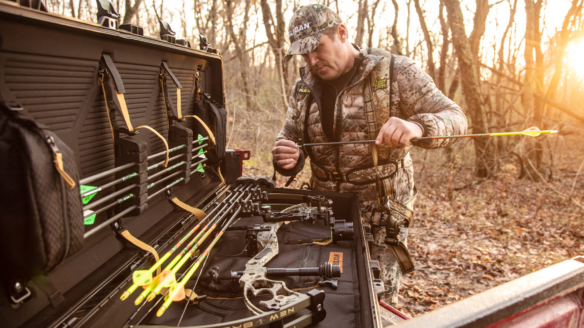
(167, 278)
(142, 277)
(532, 132)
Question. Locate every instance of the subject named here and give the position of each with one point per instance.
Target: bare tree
(534, 74)
(429, 45)
(394, 34)
(565, 36)
(371, 23)
(72, 7)
(240, 44)
(500, 112)
(131, 10)
(485, 160)
(202, 21)
(479, 27)
(361, 17)
(441, 78)
(276, 33)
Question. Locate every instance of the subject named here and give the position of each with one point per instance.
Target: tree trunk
(478, 30)
(485, 157)
(575, 9)
(394, 34)
(361, 17)
(276, 41)
(72, 7)
(371, 24)
(240, 44)
(131, 10)
(211, 18)
(429, 46)
(501, 119)
(441, 78)
(454, 85)
(533, 74)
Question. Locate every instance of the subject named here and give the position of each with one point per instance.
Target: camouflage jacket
(414, 97)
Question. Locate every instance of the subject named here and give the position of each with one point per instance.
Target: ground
(469, 235)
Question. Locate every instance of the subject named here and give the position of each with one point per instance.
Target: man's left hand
(397, 132)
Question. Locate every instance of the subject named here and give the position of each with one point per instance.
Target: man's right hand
(285, 154)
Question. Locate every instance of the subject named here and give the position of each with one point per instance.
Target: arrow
(167, 277)
(144, 277)
(531, 132)
(177, 291)
(89, 192)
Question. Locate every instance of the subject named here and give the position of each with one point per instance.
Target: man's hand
(397, 132)
(285, 154)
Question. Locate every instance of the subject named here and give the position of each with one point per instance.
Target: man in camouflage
(348, 94)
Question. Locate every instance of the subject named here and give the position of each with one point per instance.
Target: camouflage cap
(307, 26)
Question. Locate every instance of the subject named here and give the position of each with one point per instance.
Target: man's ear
(342, 32)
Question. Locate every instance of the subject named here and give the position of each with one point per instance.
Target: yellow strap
(199, 214)
(180, 116)
(323, 243)
(126, 116)
(58, 160)
(211, 135)
(220, 175)
(178, 102)
(124, 110)
(161, 138)
(142, 245)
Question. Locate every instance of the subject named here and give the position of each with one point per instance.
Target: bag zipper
(54, 149)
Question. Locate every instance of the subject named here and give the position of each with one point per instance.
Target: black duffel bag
(41, 216)
(212, 111)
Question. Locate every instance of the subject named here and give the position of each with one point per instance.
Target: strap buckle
(19, 292)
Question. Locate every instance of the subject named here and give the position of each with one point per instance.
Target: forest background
(490, 209)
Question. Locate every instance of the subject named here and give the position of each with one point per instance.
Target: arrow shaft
(197, 264)
(106, 173)
(174, 268)
(158, 263)
(498, 134)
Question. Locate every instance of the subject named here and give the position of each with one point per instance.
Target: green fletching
(200, 137)
(90, 219)
(84, 189)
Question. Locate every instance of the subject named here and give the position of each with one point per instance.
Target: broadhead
(125, 296)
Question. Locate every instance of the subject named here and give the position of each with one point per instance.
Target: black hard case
(49, 64)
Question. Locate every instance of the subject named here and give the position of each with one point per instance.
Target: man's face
(327, 59)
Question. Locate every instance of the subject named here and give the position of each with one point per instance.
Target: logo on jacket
(380, 84)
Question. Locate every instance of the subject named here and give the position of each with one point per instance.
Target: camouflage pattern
(414, 97)
(307, 26)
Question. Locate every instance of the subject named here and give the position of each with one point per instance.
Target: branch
(245, 51)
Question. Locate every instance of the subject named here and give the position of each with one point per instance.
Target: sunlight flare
(574, 56)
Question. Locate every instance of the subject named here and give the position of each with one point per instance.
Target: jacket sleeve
(422, 102)
(291, 131)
